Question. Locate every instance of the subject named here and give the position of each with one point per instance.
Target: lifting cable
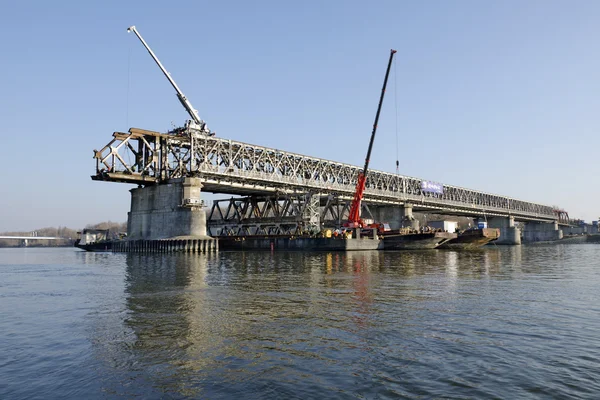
(127, 98)
(128, 84)
(396, 106)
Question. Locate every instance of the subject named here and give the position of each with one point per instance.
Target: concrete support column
(167, 210)
(542, 232)
(509, 233)
(396, 216)
(407, 218)
(577, 230)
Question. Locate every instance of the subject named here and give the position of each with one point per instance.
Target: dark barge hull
(297, 243)
(98, 246)
(472, 239)
(416, 241)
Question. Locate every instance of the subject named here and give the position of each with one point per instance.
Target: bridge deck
(228, 166)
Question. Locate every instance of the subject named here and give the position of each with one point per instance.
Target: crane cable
(396, 106)
(127, 96)
(128, 84)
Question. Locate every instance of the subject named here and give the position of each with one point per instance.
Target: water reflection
(191, 317)
(500, 321)
(167, 304)
(223, 325)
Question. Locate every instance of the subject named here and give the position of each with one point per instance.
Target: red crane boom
(354, 220)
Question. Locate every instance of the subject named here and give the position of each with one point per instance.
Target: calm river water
(503, 322)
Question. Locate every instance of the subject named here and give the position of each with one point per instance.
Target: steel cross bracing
(285, 214)
(278, 214)
(228, 166)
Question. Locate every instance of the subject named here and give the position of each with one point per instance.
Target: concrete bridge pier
(167, 210)
(542, 232)
(509, 233)
(407, 218)
(396, 217)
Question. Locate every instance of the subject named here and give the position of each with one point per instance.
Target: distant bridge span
(30, 237)
(25, 239)
(232, 167)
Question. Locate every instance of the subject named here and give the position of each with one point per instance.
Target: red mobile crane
(354, 220)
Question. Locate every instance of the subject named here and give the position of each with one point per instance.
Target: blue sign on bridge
(432, 187)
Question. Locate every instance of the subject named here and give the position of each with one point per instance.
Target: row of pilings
(166, 246)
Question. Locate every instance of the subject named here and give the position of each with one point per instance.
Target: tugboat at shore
(94, 240)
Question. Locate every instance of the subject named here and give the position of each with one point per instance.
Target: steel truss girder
(288, 214)
(229, 166)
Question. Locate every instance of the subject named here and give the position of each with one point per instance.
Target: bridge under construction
(279, 188)
(220, 165)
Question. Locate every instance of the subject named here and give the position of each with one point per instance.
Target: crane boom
(354, 220)
(199, 123)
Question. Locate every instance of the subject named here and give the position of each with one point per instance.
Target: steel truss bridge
(232, 167)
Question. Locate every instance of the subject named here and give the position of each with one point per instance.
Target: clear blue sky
(502, 97)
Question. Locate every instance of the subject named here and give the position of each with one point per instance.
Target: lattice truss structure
(227, 166)
(282, 214)
(279, 214)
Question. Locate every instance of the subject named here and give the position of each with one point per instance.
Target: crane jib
(387, 73)
(184, 101)
(354, 215)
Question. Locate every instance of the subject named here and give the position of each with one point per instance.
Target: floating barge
(348, 241)
(389, 241)
(416, 240)
(298, 243)
(472, 239)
